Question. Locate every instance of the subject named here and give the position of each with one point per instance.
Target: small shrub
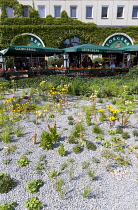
(70, 160)
(58, 186)
(63, 166)
(125, 135)
(61, 150)
(95, 160)
(6, 183)
(10, 148)
(6, 161)
(48, 138)
(79, 128)
(90, 145)
(27, 152)
(33, 186)
(135, 133)
(70, 118)
(106, 144)
(7, 206)
(91, 174)
(77, 149)
(86, 191)
(39, 167)
(23, 161)
(53, 173)
(71, 122)
(85, 164)
(72, 139)
(111, 132)
(97, 129)
(119, 130)
(33, 203)
(51, 115)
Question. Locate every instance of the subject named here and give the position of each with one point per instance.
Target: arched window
(74, 41)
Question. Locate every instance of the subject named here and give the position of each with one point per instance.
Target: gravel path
(113, 189)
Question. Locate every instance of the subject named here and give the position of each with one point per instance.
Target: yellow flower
(112, 118)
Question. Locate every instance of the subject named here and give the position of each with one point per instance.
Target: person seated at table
(112, 65)
(121, 64)
(105, 64)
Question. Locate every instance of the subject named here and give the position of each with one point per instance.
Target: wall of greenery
(52, 31)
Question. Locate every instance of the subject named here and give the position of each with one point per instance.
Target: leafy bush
(97, 129)
(125, 135)
(63, 166)
(90, 145)
(77, 149)
(85, 164)
(53, 173)
(7, 206)
(135, 132)
(6, 183)
(33, 186)
(23, 161)
(33, 203)
(72, 139)
(61, 150)
(119, 130)
(48, 138)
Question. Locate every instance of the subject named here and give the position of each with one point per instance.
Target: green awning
(30, 51)
(93, 49)
(132, 48)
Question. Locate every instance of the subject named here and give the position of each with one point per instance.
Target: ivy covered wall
(52, 31)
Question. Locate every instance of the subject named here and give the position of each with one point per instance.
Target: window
(74, 41)
(25, 11)
(89, 12)
(104, 12)
(42, 11)
(57, 11)
(73, 12)
(9, 11)
(135, 12)
(120, 12)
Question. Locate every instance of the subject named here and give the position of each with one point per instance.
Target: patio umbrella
(132, 48)
(29, 51)
(90, 48)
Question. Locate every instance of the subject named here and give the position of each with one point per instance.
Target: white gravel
(110, 190)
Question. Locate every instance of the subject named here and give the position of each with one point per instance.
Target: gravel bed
(115, 189)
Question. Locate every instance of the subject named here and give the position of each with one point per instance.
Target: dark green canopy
(30, 51)
(90, 48)
(132, 48)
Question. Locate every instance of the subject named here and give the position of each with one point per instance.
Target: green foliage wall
(53, 31)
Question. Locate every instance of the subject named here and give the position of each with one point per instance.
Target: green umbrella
(90, 48)
(30, 51)
(132, 48)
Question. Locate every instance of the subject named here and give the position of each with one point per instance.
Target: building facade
(101, 12)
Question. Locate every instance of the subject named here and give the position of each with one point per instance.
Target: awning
(132, 48)
(93, 49)
(29, 51)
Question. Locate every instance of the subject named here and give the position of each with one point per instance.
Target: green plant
(70, 118)
(27, 152)
(90, 145)
(77, 149)
(7, 206)
(51, 115)
(39, 167)
(5, 136)
(53, 173)
(63, 166)
(48, 138)
(10, 148)
(6, 183)
(111, 132)
(33, 203)
(119, 130)
(135, 133)
(95, 160)
(58, 186)
(79, 128)
(17, 131)
(85, 164)
(86, 191)
(23, 161)
(71, 172)
(91, 174)
(61, 150)
(99, 137)
(6, 161)
(71, 122)
(33, 186)
(107, 154)
(125, 135)
(97, 129)
(106, 144)
(72, 139)
(70, 160)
